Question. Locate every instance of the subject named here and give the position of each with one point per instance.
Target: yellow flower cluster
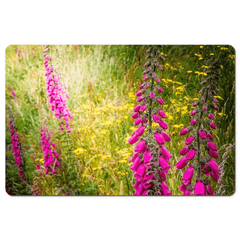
(79, 151)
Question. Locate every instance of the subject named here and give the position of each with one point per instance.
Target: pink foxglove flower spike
(56, 92)
(151, 158)
(200, 151)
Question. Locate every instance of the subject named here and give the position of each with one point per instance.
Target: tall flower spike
(16, 146)
(150, 161)
(50, 154)
(56, 92)
(200, 150)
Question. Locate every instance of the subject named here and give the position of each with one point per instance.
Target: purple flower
(183, 131)
(191, 154)
(159, 138)
(213, 154)
(143, 108)
(166, 137)
(156, 118)
(212, 146)
(152, 95)
(193, 121)
(136, 109)
(140, 131)
(165, 189)
(139, 93)
(137, 121)
(199, 188)
(182, 163)
(160, 101)
(140, 147)
(184, 151)
(213, 165)
(163, 124)
(202, 134)
(161, 113)
(134, 138)
(135, 115)
(211, 116)
(189, 140)
(212, 125)
(187, 176)
(166, 154)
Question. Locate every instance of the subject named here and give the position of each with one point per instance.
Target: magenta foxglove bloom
(184, 151)
(163, 124)
(166, 136)
(161, 101)
(152, 95)
(189, 140)
(159, 138)
(137, 121)
(156, 118)
(139, 93)
(187, 176)
(134, 138)
(192, 113)
(166, 154)
(215, 176)
(213, 165)
(199, 188)
(165, 189)
(202, 134)
(208, 190)
(213, 154)
(140, 99)
(212, 146)
(136, 164)
(183, 131)
(136, 109)
(211, 116)
(140, 147)
(160, 89)
(191, 154)
(163, 163)
(204, 108)
(209, 136)
(140, 131)
(142, 108)
(212, 125)
(135, 115)
(182, 163)
(162, 114)
(193, 121)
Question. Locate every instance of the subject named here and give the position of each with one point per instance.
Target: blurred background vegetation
(102, 81)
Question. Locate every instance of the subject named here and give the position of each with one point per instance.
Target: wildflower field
(90, 140)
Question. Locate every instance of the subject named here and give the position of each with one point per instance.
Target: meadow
(101, 82)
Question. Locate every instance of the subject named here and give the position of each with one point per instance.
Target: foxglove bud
(212, 146)
(135, 115)
(156, 118)
(202, 134)
(189, 140)
(183, 131)
(193, 121)
(133, 139)
(152, 95)
(161, 113)
(212, 125)
(213, 154)
(163, 124)
(160, 89)
(143, 108)
(192, 113)
(211, 116)
(139, 93)
(161, 101)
